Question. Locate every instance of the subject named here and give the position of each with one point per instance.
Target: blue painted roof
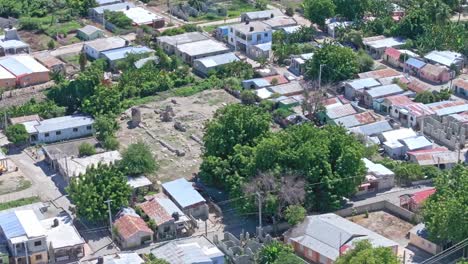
(183, 192)
(415, 63)
(120, 53)
(11, 225)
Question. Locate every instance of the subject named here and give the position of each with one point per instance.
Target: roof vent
(56, 222)
(247, 22)
(251, 29)
(128, 7)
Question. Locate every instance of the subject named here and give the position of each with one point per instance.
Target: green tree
(105, 126)
(319, 10)
(232, 125)
(137, 159)
(248, 97)
(351, 9)
(287, 258)
(271, 252)
(17, 134)
(83, 60)
(340, 63)
(111, 143)
(150, 259)
(51, 44)
(105, 101)
(295, 214)
(445, 212)
(90, 191)
(86, 149)
(365, 61)
(363, 252)
(425, 97)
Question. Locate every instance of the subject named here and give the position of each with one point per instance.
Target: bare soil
(192, 112)
(385, 224)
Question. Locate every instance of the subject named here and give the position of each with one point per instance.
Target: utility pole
(259, 196)
(108, 202)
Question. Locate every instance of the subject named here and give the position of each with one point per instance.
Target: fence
(381, 206)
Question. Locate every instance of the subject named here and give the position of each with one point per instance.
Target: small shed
(89, 32)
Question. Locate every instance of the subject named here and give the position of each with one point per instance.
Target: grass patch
(19, 202)
(73, 59)
(213, 27)
(23, 185)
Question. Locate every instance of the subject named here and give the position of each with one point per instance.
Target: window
(259, 37)
(88, 127)
(58, 133)
(37, 243)
(266, 34)
(46, 134)
(38, 257)
(75, 129)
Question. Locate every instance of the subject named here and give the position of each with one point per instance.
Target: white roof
(140, 15)
(63, 235)
(376, 169)
(263, 93)
(31, 225)
(359, 84)
(4, 74)
(138, 181)
(202, 47)
(397, 134)
(446, 58)
(58, 123)
(103, 44)
(217, 60)
(415, 143)
(385, 43)
(76, 166)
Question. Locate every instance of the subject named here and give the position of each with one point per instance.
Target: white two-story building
(244, 35)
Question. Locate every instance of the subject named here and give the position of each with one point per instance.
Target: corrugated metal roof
(377, 74)
(121, 53)
(446, 58)
(373, 128)
(217, 60)
(89, 29)
(113, 7)
(4, 74)
(397, 134)
(183, 38)
(60, 123)
(287, 89)
(264, 14)
(21, 223)
(264, 46)
(382, 91)
(340, 111)
(141, 16)
(384, 42)
(359, 84)
(202, 47)
(355, 120)
(418, 64)
(183, 192)
(376, 169)
(415, 143)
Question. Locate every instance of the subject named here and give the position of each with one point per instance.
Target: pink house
(435, 73)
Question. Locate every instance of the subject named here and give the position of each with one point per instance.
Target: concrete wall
(8, 83)
(424, 244)
(380, 206)
(65, 134)
(445, 130)
(33, 78)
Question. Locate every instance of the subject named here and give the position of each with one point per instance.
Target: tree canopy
(445, 212)
(137, 159)
(17, 134)
(319, 10)
(363, 252)
(90, 191)
(339, 63)
(295, 214)
(272, 252)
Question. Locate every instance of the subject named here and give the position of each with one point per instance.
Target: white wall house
(242, 36)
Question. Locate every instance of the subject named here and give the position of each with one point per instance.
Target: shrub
(86, 149)
(17, 134)
(137, 159)
(111, 143)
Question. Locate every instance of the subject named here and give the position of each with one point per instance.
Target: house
(392, 104)
(391, 141)
(323, 238)
(197, 249)
(413, 202)
(333, 27)
(64, 241)
(70, 167)
(242, 36)
(189, 52)
(445, 108)
(11, 43)
(419, 237)
(131, 229)
(25, 237)
(95, 47)
(378, 178)
(113, 56)
(108, 2)
(117, 258)
(411, 114)
(221, 33)
(259, 51)
(435, 73)
(372, 129)
(279, 22)
(418, 86)
(460, 87)
(446, 58)
(170, 43)
(376, 46)
(353, 89)
(356, 119)
(139, 184)
(287, 89)
(416, 143)
(7, 79)
(334, 112)
(256, 83)
(392, 57)
(260, 15)
(182, 193)
(97, 13)
(413, 66)
(205, 65)
(50, 62)
(89, 32)
(26, 70)
(374, 93)
(379, 74)
(59, 128)
(59, 150)
(298, 63)
(143, 17)
(170, 221)
(263, 93)
(440, 157)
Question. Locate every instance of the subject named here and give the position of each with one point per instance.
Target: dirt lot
(386, 225)
(12, 180)
(192, 112)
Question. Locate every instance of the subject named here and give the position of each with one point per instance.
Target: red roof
(392, 52)
(156, 211)
(378, 74)
(421, 196)
(280, 78)
(129, 225)
(426, 151)
(399, 100)
(418, 86)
